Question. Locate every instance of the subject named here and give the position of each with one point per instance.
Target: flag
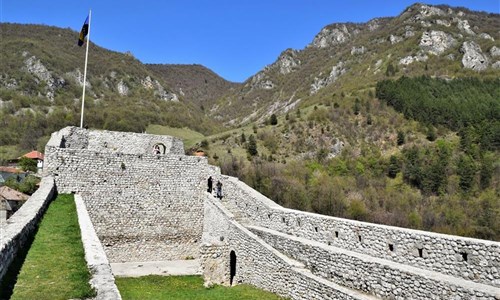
(84, 32)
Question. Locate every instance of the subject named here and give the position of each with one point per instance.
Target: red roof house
(38, 156)
(35, 155)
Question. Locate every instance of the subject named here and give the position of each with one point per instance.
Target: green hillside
(41, 87)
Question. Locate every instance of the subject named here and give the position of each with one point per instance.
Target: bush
(28, 164)
(273, 120)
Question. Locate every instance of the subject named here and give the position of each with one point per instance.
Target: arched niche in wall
(159, 148)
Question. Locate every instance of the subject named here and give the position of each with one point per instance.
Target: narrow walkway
(164, 268)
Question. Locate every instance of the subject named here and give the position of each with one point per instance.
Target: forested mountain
(393, 121)
(195, 83)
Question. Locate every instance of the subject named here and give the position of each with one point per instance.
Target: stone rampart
(144, 206)
(467, 258)
(373, 275)
(21, 226)
(257, 263)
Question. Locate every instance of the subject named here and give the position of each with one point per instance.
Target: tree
(401, 138)
(391, 70)
(28, 164)
(252, 146)
(466, 169)
(273, 120)
(243, 139)
(394, 167)
(357, 106)
(487, 168)
(204, 144)
(431, 133)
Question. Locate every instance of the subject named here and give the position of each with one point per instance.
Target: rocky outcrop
(495, 51)
(35, 67)
(410, 59)
(8, 83)
(331, 36)
(336, 149)
(496, 65)
(394, 39)
(463, 26)
(77, 75)
(409, 31)
(373, 25)
(358, 50)
(122, 88)
(319, 83)
(486, 36)
(436, 42)
(426, 11)
(422, 12)
(159, 90)
(287, 62)
(261, 81)
(444, 23)
(473, 57)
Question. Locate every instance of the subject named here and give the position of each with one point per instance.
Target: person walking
(219, 189)
(210, 182)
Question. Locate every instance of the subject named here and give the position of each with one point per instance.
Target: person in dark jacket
(210, 182)
(219, 189)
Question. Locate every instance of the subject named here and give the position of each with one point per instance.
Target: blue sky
(234, 38)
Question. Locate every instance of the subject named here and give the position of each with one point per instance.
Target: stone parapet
(380, 277)
(102, 279)
(19, 228)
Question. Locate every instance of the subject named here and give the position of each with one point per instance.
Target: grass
(185, 287)
(55, 267)
(188, 136)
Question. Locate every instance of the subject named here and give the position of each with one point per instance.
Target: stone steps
(379, 277)
(238, 215)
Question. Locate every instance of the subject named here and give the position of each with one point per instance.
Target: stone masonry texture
(148, 202)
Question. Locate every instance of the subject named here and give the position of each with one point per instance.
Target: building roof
(11, 170)
(34, 155)
(6, 193)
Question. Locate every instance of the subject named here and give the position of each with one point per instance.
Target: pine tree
(252, 146)
(394, 167)
(401, 138)
(273, 120)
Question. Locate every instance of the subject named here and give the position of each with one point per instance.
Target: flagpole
(85, 70)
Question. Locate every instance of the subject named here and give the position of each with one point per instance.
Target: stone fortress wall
(471, 259)
(144, 206)
(147, 206)
(379, 260)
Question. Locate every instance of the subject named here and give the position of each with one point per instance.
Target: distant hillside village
(18, 180)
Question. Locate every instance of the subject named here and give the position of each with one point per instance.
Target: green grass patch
(185, 287)
(55, 266)
(188, 136)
